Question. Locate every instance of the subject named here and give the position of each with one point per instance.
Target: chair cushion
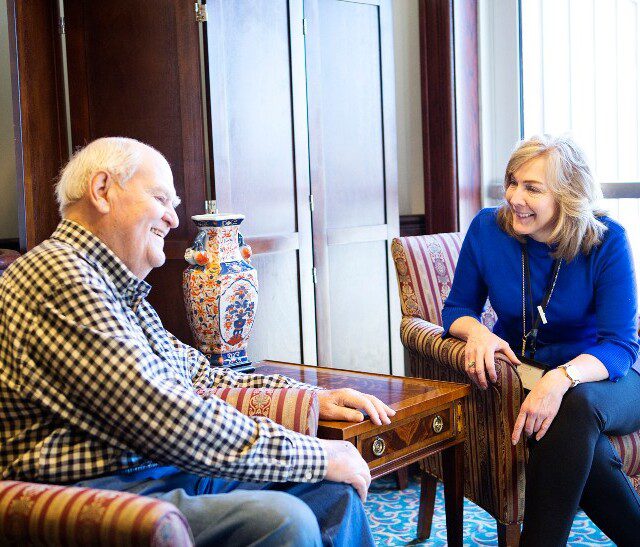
(295, 409)
(628, 447)
(57, 515)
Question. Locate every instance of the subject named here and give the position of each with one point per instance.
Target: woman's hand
(479, 354)
(541, 405)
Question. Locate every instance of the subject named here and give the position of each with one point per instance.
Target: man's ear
(98, 194)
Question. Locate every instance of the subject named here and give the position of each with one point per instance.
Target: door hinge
(61, 27)
(201, 12)
(312, 205)
(304, 27)
(314, 274)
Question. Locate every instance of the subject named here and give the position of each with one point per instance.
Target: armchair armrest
(43, 514)
(425, 339)
(295, 409)
(493, 465)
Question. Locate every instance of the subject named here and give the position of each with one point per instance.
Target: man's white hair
(119, 156)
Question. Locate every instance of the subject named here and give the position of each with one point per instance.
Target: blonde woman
(560, 277)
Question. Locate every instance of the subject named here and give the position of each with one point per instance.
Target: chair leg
(508, 534)
(427, 504)
(402, 477)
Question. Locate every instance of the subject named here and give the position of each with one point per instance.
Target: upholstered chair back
(425, 266)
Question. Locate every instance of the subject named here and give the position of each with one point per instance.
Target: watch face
(572, 373)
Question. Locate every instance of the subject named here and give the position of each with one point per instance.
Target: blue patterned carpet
(393, 515)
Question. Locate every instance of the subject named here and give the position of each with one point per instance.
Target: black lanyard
(529, 338)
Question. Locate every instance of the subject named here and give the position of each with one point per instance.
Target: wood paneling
(38, 114)
(450, 113)
(134, 71)
(257, 86)
(412, 225)
(353, 177)
(438, 116)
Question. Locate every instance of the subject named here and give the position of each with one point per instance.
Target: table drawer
(408, 435)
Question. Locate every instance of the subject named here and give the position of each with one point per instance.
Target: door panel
(352, 151)
(360, 340)
(276, 333)
(351, 114)
(255, 52)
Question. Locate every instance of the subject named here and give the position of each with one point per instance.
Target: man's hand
(346, 465)
(340, 404)
(541, 405)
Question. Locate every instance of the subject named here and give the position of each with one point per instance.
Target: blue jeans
(227, 512)
(575, 465)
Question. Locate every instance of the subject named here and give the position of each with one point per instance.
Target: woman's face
(532, 204)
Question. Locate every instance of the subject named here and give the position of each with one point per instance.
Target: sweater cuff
(450, 315)
(615, 359)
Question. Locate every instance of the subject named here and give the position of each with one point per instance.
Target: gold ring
(472, 365)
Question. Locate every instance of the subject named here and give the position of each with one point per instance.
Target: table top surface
(407, 396)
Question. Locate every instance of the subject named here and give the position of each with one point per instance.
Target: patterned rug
(393, 516)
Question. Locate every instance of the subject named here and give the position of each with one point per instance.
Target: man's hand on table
(342, 404)
(347, 465)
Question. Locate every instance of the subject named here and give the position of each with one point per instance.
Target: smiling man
(94, 391)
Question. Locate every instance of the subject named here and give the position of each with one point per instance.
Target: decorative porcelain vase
(220, 290)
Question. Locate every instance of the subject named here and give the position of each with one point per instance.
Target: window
(578, 66)
(580, 71)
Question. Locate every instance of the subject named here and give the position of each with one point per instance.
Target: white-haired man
(94, 391)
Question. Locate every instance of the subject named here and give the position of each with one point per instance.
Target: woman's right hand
(479, 353)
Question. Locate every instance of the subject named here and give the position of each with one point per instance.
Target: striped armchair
(44, 514)
(494, 469)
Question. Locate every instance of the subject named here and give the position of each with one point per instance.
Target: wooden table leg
(427, 504)
(453, 471)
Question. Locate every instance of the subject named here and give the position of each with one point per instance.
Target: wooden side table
(429, 419)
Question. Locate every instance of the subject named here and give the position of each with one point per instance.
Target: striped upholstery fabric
(295, 409)
(494, 468)
(38, 514)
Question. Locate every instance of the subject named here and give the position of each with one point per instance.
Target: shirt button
(308, 475)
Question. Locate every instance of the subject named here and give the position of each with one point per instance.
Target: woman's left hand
(541, 405)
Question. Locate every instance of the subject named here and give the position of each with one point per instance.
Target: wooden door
(255, 52)
(134, 71)
(349, 53)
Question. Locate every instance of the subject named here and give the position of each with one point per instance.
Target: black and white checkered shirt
(91, 383)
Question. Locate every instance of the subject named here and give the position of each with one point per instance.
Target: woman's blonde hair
(574, 188)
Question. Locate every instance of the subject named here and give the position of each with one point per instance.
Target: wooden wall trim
(412, 225)
(38, 114)
(438, 115)
(11, 243)
(450, 113)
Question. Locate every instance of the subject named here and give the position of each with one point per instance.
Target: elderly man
(94, 391)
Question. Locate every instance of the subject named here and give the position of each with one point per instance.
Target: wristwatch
(572, 374)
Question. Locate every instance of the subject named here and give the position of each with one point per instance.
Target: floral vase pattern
(220, 289)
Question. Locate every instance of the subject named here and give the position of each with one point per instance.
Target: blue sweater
(593, 308)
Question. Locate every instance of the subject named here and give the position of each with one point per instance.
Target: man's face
(141, 215)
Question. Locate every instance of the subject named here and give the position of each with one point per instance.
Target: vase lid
(218, 219)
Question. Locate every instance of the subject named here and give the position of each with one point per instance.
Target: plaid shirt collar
(131, 289)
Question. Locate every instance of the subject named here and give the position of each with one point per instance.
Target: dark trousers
(574, 465)
(226, 512)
